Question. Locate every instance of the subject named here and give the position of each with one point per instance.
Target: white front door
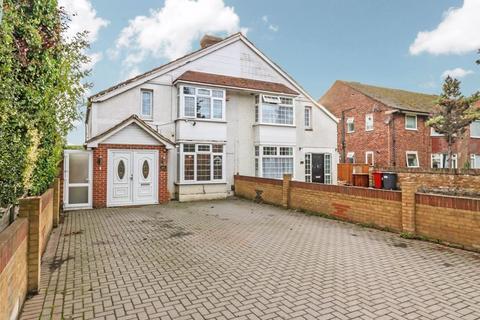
(77, 176)
(132, 177)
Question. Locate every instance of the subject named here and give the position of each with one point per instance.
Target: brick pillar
(56, 202)
(286, 190)
(408, 206)
(30, 209)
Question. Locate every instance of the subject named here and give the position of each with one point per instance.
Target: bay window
(273, 161)
(201, 162)
(274, 110)
(202, 103)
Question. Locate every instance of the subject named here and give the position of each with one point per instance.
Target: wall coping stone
(452, 202)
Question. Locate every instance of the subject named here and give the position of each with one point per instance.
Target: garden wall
(454, 220)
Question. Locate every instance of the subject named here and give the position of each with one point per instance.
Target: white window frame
(434, 133)
(416, 155)
(196, 95)
(473, 160)
(366, 122)
(477, 122)
(195, 153)
(373, 157)
(142, 115)
(350, 154)
(260, 155)
(416, 121)
(443, 160)
(308, 117)
(350, 120)
(308, 167)
(281, 101)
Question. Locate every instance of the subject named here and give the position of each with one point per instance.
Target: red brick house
(386, 127)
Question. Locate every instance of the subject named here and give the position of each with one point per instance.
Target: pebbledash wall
(100, 171)
(21, 247)
(452, 220)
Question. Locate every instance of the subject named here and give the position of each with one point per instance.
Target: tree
(41, 85)
(453, 113)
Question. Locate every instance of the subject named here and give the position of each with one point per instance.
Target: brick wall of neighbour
(453, 220)
(264, 190)
(13, 268)
(380, 207)
(463, 179)
(46, 219)
(100, 172)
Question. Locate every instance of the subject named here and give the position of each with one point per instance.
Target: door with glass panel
(77, 173)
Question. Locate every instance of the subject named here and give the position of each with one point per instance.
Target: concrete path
(235, 259)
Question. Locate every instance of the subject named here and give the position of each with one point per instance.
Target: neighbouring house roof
(142, 78)
(119, 126)
(234, 82)
(396, 98)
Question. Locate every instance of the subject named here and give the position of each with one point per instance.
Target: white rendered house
(184, 129)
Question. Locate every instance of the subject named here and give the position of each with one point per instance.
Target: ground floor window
(440, 160)
(369, 158)
(475, 161)
(412, 159)
(308, 167)
(201, 162)
(350, 157)
(273, 161)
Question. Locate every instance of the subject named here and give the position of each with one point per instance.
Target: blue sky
(317, 42)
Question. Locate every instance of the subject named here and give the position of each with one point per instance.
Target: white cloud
(271, 27)
(170, 31)
(83, 17)
(456, 73)
(457, 33)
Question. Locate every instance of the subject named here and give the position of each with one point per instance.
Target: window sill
(274, 125)
(187, 183)
(200, 120)
(411, 129)
(308, 129)
(350, 131)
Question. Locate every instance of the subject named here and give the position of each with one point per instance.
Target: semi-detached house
(184, 129)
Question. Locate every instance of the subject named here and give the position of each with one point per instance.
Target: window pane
(217, 167)
(269, 151)
(369, 122)
(77, 195)
(146, 103)
(277, 114)
(217, 109)
(475, 129)
(412, 160)
(203, 167)
(188, 90)
(350, 125)
(204, 147)
(189, 165)
(217, 148)
(257, 151)
(286, 151)
(190, 106)
(188, 148)
(328, 168)
(437, 161)
(275, 168)
(203, 92)
(411, 122)
(308, 115)
(78, 167)
(203, 107)
(288, 101)
(217, 93)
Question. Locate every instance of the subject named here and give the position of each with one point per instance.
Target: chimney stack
(208, 40)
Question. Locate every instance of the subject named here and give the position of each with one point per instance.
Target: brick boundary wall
(13, 268)
(454, 220)
(99, 186)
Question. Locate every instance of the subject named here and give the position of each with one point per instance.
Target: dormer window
(147, 104)
(202, 103)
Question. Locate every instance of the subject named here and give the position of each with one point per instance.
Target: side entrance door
(77, 176)
(318, 168)
(132, 177)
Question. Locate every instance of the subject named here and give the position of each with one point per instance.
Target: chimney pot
(209, 40)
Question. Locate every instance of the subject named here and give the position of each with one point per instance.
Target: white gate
(77, 174)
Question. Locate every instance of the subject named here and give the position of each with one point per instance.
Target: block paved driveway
(235, 259)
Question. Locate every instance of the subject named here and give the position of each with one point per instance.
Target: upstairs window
(308, 118)
(369, 122)
(147, 104)
(202, 103)
(410, 122)
(475, 129)
(350, 125)
(274, 110)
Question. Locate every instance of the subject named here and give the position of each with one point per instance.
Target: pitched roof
(234, 82)
(132, 119)
(396, 98)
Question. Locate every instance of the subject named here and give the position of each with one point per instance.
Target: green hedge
(41, 88)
